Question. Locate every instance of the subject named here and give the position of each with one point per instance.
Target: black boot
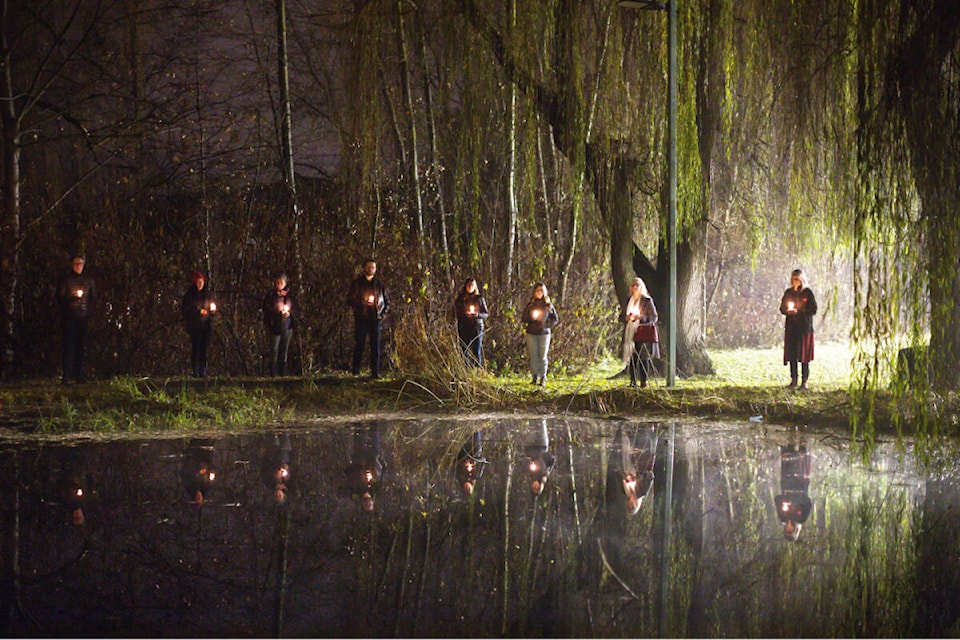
(272, 369)
(282, 367)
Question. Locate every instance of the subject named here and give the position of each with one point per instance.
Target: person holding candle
(640, 346)
(198, 309)
(368, 297)
(471, 310)
(540, 317)
(278, 317)
(799, 306)
(74, 293)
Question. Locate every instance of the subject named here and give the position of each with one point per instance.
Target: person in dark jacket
(470, 463)
(198, 309)
(368, 297)
(471, 310)
(278, 310)
(197, 473)
(539, 317)
(799, 306)
(537, 461)
(75, 293)
(639, 351)
(275, 469)
(794, 504)
(366, 466)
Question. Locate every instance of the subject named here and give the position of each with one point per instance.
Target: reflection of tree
(431, 560)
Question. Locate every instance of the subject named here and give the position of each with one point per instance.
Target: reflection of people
(72, 486)
(537, 461)
(471, 310)
(470, 463)
(278, 310)
(197, 473)
(639, 350)
(275, 470)
(74, 293)
(198, 309)
(793, 503)
(540, 317)
(637, 458)
(799, 306)
(368, 297)
(366, 466)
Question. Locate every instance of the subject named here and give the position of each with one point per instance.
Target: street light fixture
(671, 9)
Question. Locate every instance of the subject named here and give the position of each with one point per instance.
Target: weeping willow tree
(908, 211)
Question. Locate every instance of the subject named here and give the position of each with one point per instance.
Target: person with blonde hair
(641, 342)
(799, 306)
(540, 317)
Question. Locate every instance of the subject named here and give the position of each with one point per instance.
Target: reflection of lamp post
(671, 8)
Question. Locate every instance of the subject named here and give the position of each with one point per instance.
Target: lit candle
(212, 476)
(286, 308)
(79, 293)
(535, 314)
(472, 309)
(790, 305)
(370, 299)
(79, 492)
(533, 466)
(369, 476)
(213, 306)
(469, 467)
(786, 507)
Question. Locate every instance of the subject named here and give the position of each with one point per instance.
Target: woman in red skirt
(799, 306)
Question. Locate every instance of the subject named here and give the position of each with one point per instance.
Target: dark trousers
(74, 347)
(804, 370)
(471, 341)
(279, 346)
(640, 362)
(363, 330)
(199, 341)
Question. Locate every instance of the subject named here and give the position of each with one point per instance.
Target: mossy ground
(747, 383)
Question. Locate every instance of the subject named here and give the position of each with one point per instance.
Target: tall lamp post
(671, 9)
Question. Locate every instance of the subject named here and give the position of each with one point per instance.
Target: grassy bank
(748, 383)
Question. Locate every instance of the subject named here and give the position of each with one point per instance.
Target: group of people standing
(370, 302)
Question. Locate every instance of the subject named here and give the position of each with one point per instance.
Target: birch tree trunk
(286, 137)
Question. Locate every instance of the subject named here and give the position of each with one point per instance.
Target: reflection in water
(704, 557)
(366, 466)
(637, 456)
(537, 461)
(470, 463)
(275, 470)
(793, 503)
(197, 473)
(73, 490)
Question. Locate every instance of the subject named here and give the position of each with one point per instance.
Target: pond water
(372, 529)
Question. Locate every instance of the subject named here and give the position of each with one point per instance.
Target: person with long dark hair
(540, 317)
(471, 310)
(198, 309)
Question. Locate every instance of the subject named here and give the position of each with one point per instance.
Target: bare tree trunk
(10, 193)
(512, 214)
(414, 168)
(286, 136)
(435, 168)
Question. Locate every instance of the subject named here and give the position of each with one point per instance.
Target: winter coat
(195, 301)
(274, 304)
(74, 292)
(805, 303)
(369, 299)
(462, 306)
(539, 317)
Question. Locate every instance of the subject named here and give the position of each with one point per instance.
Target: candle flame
(213, 306)
(369, 476)
(79, 293)
(79, 492)
(786, 507)
(370, 299)
(212, 475)
(469, 467)
(535, 313)
(533, 466)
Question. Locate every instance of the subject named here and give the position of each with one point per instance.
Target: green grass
(830, 370)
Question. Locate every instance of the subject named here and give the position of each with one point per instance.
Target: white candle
(79, 293)
(790, 306)
(472, 309)
(213, 306)
(370, 300)
(535, 314)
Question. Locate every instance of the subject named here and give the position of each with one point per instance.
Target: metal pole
(672, 194)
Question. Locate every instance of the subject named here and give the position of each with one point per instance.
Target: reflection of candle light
(369, 476)
(469, 467)
(533, 466)
(284, 472)
(785, 507)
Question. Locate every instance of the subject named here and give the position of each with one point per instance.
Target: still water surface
(538, 527)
